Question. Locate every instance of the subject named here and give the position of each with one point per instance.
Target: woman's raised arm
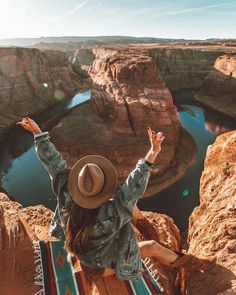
(46, 150)
(136, 183)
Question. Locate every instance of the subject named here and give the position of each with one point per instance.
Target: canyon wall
(128, 95)
(82, 59)
(219, 88)
(212, 226)
(31, 81)
(183, 68)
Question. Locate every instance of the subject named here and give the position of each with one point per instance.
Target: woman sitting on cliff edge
(93, 216)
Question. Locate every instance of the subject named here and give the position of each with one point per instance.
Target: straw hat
(92, 181)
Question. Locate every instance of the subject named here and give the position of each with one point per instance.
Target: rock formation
(128, 95)
(219, 88)
(212, 227)
(17, 268)
(16, 251)
(31, 81)
(184, 68)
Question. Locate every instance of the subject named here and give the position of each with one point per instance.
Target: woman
(93, 216)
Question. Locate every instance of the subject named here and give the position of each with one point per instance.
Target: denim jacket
(113, 241)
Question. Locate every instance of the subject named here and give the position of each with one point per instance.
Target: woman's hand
(30, 125)
(155, 140)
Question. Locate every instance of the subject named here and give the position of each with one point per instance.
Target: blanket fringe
(154, 272)
(40, 292)
(38, 279)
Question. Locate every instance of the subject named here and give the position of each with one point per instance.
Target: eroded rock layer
(128, 95)
(183, 68)
(32, 81)
(212, 227)
(219, 88)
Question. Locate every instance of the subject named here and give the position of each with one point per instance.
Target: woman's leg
(153, 249)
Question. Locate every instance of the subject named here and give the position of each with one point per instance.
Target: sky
(189, 19)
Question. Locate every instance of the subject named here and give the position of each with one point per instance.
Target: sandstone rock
(17, 257)
(183, 68)
(212, 227)
(128, 95)
(16, 251)
(219, 88)
(32, 81)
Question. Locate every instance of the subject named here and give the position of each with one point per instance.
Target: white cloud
(72, 11)
(196, 9)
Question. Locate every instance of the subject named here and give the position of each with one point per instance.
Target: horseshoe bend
(131, 89)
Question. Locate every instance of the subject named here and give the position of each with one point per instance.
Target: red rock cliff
(212, 226)
(219, 88)
(183, 68)
(31, 81)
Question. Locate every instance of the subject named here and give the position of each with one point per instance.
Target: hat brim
(108, 189)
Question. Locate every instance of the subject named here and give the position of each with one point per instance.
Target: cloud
(72, 11)
(196, 9)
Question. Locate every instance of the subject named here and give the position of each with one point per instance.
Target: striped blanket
(59, 275)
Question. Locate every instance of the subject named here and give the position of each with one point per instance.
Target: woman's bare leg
(154, 249)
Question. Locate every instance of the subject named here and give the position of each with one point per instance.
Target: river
(24, 178)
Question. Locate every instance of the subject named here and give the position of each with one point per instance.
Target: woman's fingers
(159, 137)
(149, 132)
(155, 137)
(24, 123)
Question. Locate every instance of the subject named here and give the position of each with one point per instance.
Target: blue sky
(158, 18)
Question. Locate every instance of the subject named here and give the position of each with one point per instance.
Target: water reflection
(218, 123)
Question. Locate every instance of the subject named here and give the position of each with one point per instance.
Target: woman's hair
(78, 227)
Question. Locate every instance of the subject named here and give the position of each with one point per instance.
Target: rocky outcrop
(16, 252)
(212, 227)
(128, 95)
(184, 68)
(32, 81)
(219, 88)
(19, 226)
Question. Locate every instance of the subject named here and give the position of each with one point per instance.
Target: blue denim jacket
(113, 241)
